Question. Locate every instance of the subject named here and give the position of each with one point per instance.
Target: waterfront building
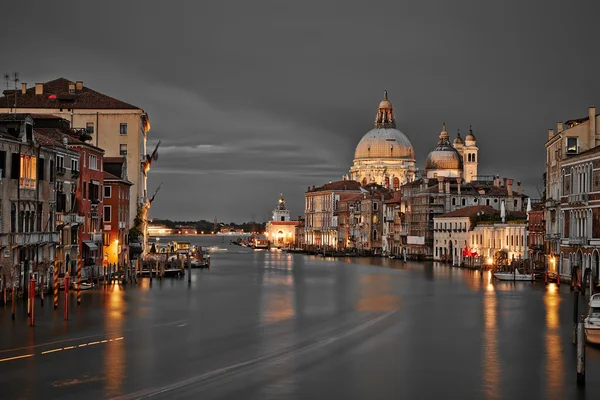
(281, 230)
(458, 160)
(500, 240)
(570, 139)
(384, 155)
(299, 234)
(113, 125)
(394, 225)
(28, 233)
(427, 198)
(536, 233)
(64, 173)
(116, 211)
(579, 219)
(158, 230)
(321, 205)
(452, 231)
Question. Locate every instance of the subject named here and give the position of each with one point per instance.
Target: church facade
(281, 230)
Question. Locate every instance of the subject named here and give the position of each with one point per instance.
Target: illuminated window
(571, 145)
(28, 172)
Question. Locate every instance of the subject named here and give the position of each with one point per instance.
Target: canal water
(459, 333)
(273, 325)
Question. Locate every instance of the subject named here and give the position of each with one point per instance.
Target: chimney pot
(509, 186)
(39, 88)
(79, 85)
(519, 187)
(71, 88)
(23, 88)
(559, 127)
(550, 133)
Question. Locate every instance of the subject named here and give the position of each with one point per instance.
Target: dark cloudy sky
(252, 98)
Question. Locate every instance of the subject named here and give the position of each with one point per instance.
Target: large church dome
(384, 141)
(444, 156)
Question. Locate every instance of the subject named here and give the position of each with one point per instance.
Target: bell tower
(280, 213)
(470, 157)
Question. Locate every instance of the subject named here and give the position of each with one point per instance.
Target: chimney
(550, 133)
(559, 127)
(39, 88)
(23, 88)
(308, 190)
(79, 85)
(519, 187)
(71, 88)
(592, 115)
(503, 182)
(509, 186)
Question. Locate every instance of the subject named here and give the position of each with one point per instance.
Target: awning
(91, 245)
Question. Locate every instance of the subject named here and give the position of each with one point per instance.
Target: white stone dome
(384, 143)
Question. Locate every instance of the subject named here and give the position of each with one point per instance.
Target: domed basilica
(456, 160)
(384, 155)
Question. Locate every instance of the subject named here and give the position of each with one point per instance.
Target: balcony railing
(579, 198)
(20, 239)
(74, 174)
(61, 170)
(578, 241)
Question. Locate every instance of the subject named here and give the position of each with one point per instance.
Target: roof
(338, 185)
(114, 159)
(396, 198)
(6, 117)
(57, 135)
(471, 211)
(110, 177)
(56, 95)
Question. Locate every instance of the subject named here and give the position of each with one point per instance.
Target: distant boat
(516, 276)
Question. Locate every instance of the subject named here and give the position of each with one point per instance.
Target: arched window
(454, 201)
(469, 157)
(374, 235)
(387, 182)
(463, 202)
(396, 183)
(474, 158)
(364, 182)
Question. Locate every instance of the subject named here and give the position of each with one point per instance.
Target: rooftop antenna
(7, 79)
(16, 81)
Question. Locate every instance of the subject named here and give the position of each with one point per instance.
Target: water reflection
(554, 349)
(491, 364)
(114, 360)
(374, 294)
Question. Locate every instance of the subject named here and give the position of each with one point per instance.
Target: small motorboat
(592, 321)
(85, 285)
(514, 276)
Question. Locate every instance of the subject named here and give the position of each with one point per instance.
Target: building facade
(321, 206)
(116, 210)
(281, 230)
(384, 155)
(452, 231)
(579, 219)
(496, 240)
(395, 227)
(570, 139)
(28, 234)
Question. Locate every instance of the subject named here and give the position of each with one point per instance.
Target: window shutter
(15, 170)
(3, 163)
(40, 166)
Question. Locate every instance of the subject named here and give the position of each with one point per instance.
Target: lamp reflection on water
(114, 356)
(492, 370)
(375, 296)
(554, 349)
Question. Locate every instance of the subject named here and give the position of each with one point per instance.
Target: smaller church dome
(444, 156)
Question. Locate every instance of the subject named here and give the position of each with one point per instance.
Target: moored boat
(514, 276)
(592, 321)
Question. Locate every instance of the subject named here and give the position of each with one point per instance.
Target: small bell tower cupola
(281, 213)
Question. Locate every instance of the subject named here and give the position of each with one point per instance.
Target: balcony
(552, 236)
(61, 170)
(33, 238)
(576, 241)
(578, 199)
(74, 174)
(551, 203)
(97, 237)
(122, 225)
